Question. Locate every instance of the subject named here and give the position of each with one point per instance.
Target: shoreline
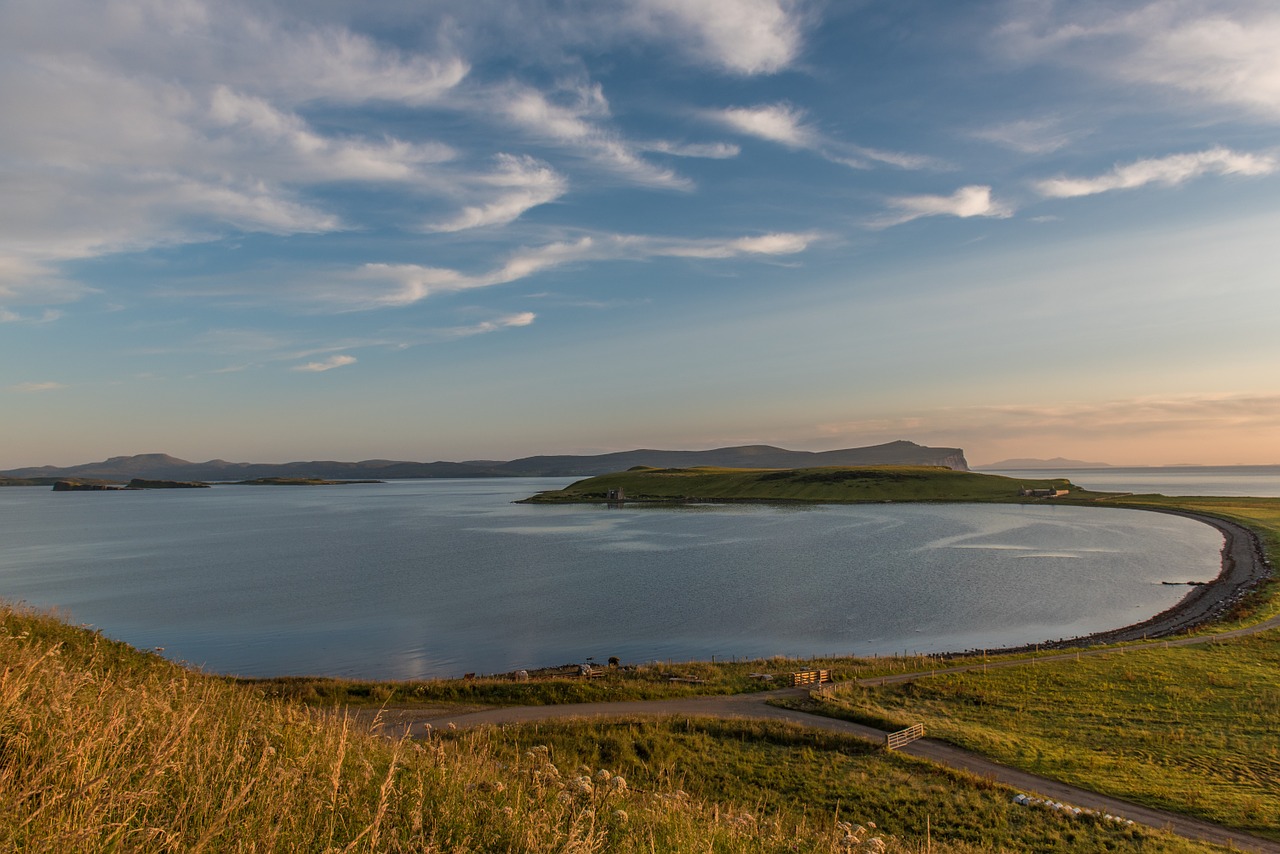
(1244, 569)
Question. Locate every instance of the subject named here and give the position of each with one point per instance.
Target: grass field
(1190, 729)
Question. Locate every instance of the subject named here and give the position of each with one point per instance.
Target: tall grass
(104, 748)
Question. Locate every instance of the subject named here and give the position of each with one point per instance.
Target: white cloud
(1029, 136)
(287, 148)
(510, 321)
(778, 243)
(971, 201)
(36, 387)
(1220, 51)
(240, 44)
(338, 361)
(1166, 171)
(518, 184)
(781, 123)
(740, 36)
(574, 121)
(386, 285)
(32, 281)
(49, 315)
(785, 124)
(708, 150)
(134, 125)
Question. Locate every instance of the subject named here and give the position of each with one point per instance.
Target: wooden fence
(902, 737)
(810, 677)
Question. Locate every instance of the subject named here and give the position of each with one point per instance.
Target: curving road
(1244, 566)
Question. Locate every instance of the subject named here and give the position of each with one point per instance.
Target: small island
(140, 483)
(831, 484)
(136, 483)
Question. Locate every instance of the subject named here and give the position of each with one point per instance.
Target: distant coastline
(165, 467)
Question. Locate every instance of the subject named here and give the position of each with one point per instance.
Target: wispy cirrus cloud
(384, 285)
(49, 315)
(35, 387)
(249, 126)
(1168, 171)
(340, 360)
(787, 125)
(1029, 136)
(518, 184)
(161, 124)
(1217, 51)
(972, 201)
(508, 321)
(780, 123)
(708, 150)
(574, 117)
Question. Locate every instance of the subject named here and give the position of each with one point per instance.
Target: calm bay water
(414, 579)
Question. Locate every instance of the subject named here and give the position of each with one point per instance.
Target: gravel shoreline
(1244, 567)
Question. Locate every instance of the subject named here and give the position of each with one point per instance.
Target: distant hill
(1028, 464)
(900, 453)
(165, 467)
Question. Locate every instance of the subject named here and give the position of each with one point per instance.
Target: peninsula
(827, 484)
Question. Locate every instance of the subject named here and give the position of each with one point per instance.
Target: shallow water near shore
(417, 579)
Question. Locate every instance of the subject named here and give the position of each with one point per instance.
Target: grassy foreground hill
(833, 484)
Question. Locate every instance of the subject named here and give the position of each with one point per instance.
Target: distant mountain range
(165, 467)
(1027, 464)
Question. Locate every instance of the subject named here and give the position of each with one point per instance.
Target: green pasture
(1188, 729)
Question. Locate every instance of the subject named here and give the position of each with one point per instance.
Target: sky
(284, 230)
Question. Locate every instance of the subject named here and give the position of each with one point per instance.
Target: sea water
(428, 578)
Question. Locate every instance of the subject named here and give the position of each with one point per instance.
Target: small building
(1042, 493)
(617, 494)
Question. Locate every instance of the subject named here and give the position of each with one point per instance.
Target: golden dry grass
(104, 748)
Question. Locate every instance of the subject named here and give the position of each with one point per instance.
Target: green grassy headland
(836, 484)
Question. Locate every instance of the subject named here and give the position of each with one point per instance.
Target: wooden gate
(810, 677)
(894, 740)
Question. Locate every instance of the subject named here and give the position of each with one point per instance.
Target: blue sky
(282, 230)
